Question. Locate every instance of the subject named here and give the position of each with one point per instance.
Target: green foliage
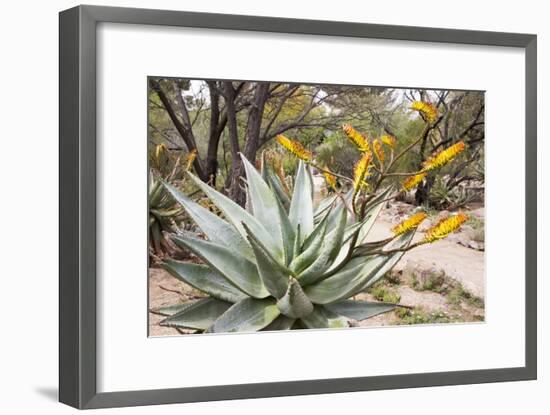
(338, 153)
(418, 315)
(382, 292)
(435, 281)
(459, 294)
(273, 268)
(478, 227)
(445, 195)
(392, 278)
(454, 292)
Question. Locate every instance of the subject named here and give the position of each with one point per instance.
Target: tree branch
(185, 133)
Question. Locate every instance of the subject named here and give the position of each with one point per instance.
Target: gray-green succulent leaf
(295, 303)
(199, 316)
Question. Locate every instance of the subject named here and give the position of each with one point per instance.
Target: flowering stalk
(158, 156)
(296, 148)
(357, 138)
(160, 150)
(443, 157)
(190, 159)
(444, 228)
(330, 179)
(378, 151)
(413, 181)
(409, 224)
(427, 109)
(388, 140)
(441, 230)
(361, 171)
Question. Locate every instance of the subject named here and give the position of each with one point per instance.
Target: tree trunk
(252, 141)
(215, 133)
(232, 182)
(421, 197)
(254, 124)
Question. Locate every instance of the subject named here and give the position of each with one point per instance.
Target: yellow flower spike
(444, 228)
(427, 109)
(330, 179)
(409, 224)
(357, 138)
(190, 159)
(295, 148)
(413, 181)
(361, 171)
(388, 140)
(440, 159)
(378, 150)
(160, 150)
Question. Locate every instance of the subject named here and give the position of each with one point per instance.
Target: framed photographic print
(258, 207)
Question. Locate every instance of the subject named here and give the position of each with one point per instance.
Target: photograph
(284, 206)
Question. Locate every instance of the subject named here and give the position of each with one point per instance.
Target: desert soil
(463, 264)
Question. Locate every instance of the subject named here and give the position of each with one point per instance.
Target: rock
(459, 238)
(479, 213)
(424, 226)
(467, 231)
(468, 237)
(403, 208)
(412, 269)
(444, 214)
(408, 197)
(430, 278)
(424, 276)
(478, 246)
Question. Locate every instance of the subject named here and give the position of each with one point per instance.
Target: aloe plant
(273, 270)
(164, 213)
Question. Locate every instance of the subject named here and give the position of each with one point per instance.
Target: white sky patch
(199, 90)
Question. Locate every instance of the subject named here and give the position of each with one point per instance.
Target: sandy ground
(460, 263)
(165, 290)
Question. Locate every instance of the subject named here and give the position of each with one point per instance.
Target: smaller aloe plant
(164, 213)
(284, 264)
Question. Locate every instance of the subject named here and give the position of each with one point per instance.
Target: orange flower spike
(413, 181)
(444, 157)
(409, 224)
(160, 151)
(444, 228)
(378, 150)
(330, 179)
(295, 147)
(190, 159)
(357, 138)
(361, 171)
(388, 140)
(427, 109)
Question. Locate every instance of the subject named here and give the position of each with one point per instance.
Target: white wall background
(28, 162)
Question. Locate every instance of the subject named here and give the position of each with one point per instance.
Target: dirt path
(465, 265)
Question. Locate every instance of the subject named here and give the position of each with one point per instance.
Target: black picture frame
(77, 203)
